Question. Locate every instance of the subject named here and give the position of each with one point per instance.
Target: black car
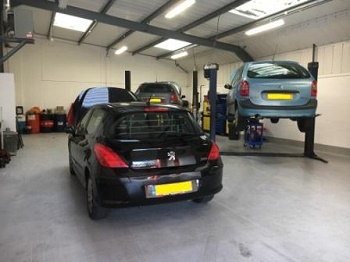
(136, 153)
(166, 92)
(94, 96)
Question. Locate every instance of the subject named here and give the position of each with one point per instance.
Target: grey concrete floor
(271, 209)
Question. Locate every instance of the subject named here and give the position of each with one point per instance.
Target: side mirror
(185, 103)
(228, 86)
(70, 130)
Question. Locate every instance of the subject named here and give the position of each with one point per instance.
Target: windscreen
(155, 88)
(277, 70)
(155, 125)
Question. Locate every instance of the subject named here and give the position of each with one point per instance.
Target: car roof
(160, 82)
(273, 61)
(139, 106)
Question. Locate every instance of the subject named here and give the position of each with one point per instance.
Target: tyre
(205, 199)
(232, 133)
(238, 125)
(305, 124)
(95, 211)
(274, 120)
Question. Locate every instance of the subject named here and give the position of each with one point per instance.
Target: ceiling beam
(202, 20)
(148, 19)
(284, 13)
(136, 26)
(52, 20)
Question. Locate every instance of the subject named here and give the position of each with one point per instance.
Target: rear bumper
(248, 109)
(118, 192)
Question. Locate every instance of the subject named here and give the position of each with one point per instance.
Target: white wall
(7, 101)
(333, 124)
(52, 73)
(49, 74)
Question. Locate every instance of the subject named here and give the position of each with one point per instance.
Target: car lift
(210, 72)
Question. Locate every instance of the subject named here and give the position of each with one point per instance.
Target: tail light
(173, 98)
(156, 109)
(314, 88)
(244, 88)
(214, 153)
(108, 158)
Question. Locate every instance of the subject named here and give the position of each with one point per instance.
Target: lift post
(210, 72)
(309, 141)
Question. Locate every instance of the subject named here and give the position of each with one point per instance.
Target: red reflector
(156, 109)
(108, 158)
(214, 153)
(173, 98)
(244, 88)
(314, 88)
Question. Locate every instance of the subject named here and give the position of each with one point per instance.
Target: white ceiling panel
(136, 40)
(103, 34)
(219, 24)
(66, 34)
(134, 10)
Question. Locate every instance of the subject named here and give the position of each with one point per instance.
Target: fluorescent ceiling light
(172, 44)
(265, 27)
(121, 50)
(182, 54)
(71, 22)
(179, 8)
(256, 9)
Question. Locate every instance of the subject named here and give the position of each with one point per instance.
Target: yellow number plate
(277, 96)
(155, 100)
(170, 189)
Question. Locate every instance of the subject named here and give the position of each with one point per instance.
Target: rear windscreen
(101, 95)
(155, 88)
(154, 125)
(277, 70)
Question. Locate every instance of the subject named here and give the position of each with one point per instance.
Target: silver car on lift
(271, 89)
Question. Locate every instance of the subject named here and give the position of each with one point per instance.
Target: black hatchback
(128, 154)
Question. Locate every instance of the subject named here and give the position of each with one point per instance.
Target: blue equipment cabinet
(253, 134)
(221, 114)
